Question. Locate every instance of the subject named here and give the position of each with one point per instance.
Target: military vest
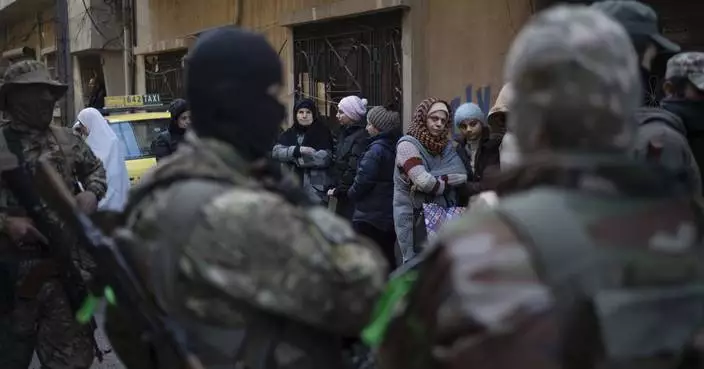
(10, 140)
(631, 267)
(264, 332)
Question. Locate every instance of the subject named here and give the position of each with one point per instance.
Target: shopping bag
(436, 215)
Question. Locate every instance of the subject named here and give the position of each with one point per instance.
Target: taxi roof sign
(132, 101)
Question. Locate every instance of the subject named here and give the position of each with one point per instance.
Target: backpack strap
(563, 253)
(65, 139)
(564, 258)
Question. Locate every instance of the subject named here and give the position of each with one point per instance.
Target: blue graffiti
(483, 99)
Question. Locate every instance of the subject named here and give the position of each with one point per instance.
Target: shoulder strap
(562, 251)
(65, 139)
(63, 135)
(565, 259)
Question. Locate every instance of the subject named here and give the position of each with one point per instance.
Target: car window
(137, 136)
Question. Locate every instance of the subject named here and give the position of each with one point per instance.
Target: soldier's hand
(22, 229)
(87, 202)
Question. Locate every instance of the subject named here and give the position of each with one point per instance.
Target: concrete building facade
(414, 48)
(398, 51)
(27, 30)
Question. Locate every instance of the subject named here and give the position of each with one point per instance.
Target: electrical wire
(95, 24)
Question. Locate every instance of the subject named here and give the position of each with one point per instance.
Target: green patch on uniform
(396, 291)
(87, 310)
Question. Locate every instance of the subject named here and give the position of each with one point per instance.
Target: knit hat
(469, 111)
(384, 119)
(353, 107)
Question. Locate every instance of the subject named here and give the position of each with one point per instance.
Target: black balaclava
(232, 78)
(177, 107)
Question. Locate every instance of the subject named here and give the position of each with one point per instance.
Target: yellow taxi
(137, 120)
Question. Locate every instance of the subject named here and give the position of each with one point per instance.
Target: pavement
(110, 361)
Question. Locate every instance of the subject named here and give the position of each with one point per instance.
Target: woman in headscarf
(166, 142)
(351, 144)
(428, 170)
(306, 148)
(106, 146)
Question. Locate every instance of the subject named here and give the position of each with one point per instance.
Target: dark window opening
(353, 56)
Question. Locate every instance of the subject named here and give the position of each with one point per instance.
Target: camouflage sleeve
(255, 247)
(478, 298)
(89, 169)
(493, 270)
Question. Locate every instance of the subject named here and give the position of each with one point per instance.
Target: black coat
(373, 189)
(165, 144)
(487, 164)
(351, 144)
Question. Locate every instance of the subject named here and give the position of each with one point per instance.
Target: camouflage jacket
(68, 154)
(492, 295)
(235, 245)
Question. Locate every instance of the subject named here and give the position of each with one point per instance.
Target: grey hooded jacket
(661, 139)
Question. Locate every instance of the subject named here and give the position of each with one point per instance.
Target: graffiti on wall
(480, 96)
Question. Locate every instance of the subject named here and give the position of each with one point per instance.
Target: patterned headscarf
(419, 129)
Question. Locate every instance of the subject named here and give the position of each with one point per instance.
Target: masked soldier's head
(233, 83)
(28, 94)
(576, 82)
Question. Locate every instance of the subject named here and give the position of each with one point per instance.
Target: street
(110, 360)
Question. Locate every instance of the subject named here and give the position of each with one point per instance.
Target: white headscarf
(106, 146)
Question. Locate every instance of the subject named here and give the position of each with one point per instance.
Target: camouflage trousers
(45, 323)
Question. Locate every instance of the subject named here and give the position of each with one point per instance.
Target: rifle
(116, 272)
(19, 182)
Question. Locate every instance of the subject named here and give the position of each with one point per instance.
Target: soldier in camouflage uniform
(34, 310)
(661, 137)
(586, 264)
(226, 247)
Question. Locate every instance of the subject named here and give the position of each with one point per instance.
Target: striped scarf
(435, 145)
